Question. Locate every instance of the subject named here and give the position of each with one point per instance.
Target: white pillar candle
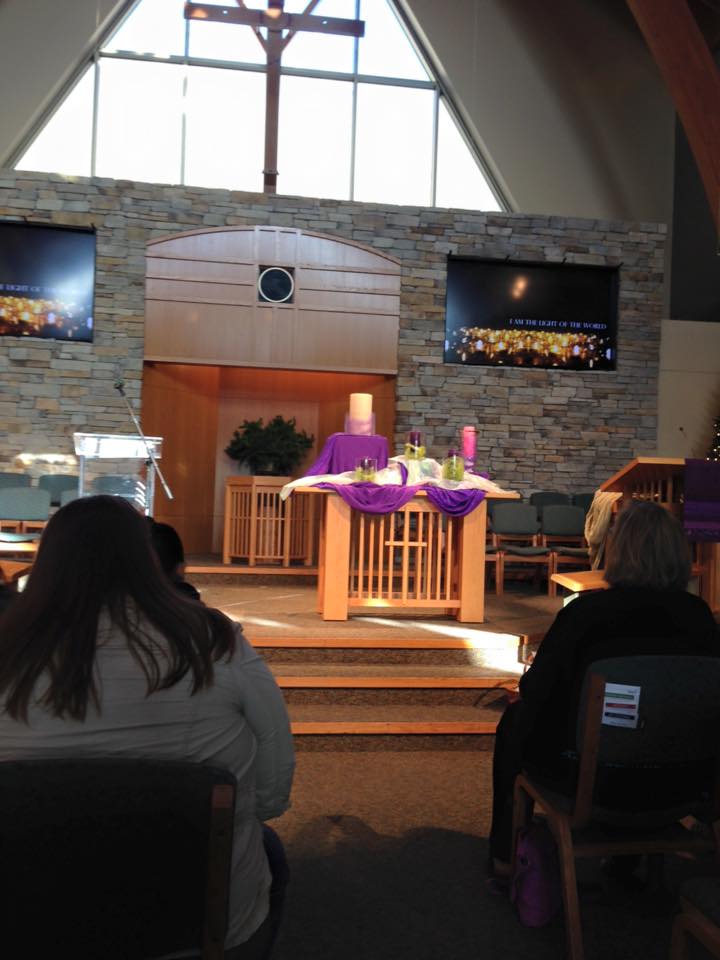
(360, 406)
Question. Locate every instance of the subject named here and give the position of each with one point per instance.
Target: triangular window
(165, 100)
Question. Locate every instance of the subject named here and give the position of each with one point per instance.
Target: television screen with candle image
(47, 281)
(504, 313)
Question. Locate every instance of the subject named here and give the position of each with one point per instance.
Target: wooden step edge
(379, 727)
(381, 683)
(235, 570)
(377, 643)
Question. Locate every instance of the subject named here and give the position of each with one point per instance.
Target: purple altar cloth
(373, 498)
(342, 451)
(702, 500)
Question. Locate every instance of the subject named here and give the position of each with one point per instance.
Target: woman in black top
(646, 610)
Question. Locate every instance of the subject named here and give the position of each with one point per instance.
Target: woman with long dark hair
(100, 655)
(646, 610)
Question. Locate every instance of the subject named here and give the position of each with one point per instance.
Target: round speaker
(275, 284)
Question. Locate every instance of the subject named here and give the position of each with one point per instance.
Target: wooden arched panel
(202, 304)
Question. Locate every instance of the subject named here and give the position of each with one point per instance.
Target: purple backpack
(535, 887)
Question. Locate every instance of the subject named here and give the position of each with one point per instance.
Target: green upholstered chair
(24, 508)
(544, 498)
(117, 485)
(56, 484)
(562, 529)
(583, 499)
(515, 537)
(8, 479)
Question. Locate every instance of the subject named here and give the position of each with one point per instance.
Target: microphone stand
(151, 460)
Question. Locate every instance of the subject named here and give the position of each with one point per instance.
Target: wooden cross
(276, 22)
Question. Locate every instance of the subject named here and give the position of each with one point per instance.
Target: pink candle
(469, 446)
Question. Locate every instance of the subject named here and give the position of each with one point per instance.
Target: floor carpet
(387, 852)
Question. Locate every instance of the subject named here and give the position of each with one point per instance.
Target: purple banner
(373, 498)
(702, 500)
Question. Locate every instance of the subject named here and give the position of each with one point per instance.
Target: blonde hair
(648, 548)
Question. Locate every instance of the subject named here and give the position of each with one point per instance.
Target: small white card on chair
(621, 705)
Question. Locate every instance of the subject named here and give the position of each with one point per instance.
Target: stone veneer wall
(537, 429)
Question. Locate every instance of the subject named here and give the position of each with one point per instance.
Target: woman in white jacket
(102, 656)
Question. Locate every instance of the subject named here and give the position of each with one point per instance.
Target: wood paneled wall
(196, 408)
(202, 301)
(180, 404)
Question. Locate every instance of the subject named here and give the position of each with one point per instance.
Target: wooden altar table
(415, 557)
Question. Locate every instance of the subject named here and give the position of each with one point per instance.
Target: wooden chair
(699, 917)
(114, 858)
(515, 537)
(679, 712)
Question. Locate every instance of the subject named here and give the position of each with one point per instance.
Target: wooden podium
(260, 528)
(662, 480)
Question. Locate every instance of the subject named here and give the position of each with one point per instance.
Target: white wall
(689, 387)
(566, 99)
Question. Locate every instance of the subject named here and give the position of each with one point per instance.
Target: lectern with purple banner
(691, 490)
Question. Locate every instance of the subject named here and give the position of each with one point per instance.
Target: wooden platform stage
(374, 674)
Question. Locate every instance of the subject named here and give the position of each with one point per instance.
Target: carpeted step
(373, 656)
(318, 674)
(383, 688)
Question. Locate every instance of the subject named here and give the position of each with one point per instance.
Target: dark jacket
(607, 623)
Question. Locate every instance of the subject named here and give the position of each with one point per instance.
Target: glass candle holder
(453, 467)
(365, 470)
(415, 446)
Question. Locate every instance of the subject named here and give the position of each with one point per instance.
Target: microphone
(119, 385)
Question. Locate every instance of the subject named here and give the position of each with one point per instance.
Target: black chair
(668, 764)
(114, 858)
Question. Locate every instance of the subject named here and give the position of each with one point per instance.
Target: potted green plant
(274, 449)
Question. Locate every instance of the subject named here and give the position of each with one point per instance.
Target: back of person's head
(168, 547)
(648, 548)
(96, 556)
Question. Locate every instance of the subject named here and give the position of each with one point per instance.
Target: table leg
(335, 559)
(471, 567)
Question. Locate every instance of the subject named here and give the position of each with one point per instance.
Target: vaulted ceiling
(564, 97)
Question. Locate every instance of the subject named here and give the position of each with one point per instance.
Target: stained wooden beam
(693, 80)
(285, 21)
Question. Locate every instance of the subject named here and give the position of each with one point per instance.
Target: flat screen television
(47, 281)
(504, 313)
